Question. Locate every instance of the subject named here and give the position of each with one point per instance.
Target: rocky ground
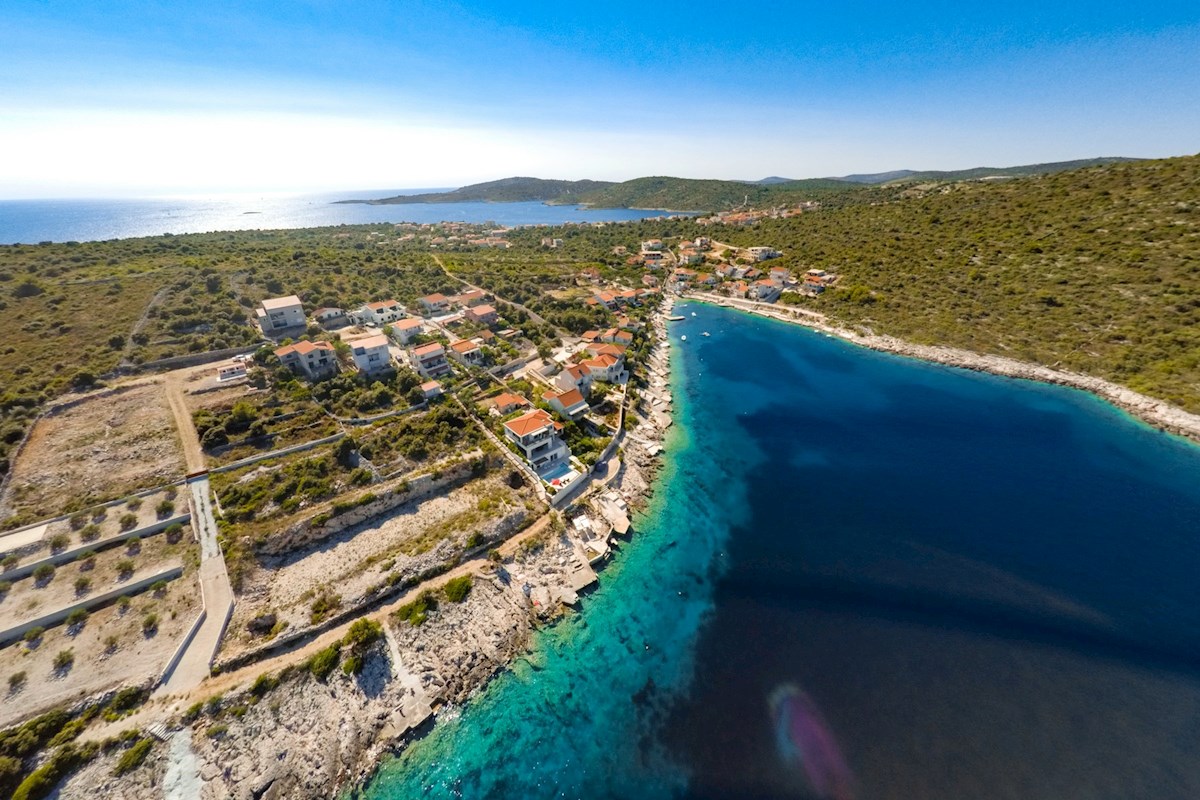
(112, 442)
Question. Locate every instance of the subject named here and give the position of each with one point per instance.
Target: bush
(215, 731)
(64, 660)
(4, 587)
(132, 758)
(174, 532)
(9, 561)
(362, 634)
(33, 634)
(193, 712)
(324, 605)
(77, 618)
(133, 503)
(165, 509)
(124, 568)
(17, 680)
(416, 612)
(150, 624)
(128, 522)
(82, 586)
(87, 561)
(123, 604)
(323, 661)
(90, 533)
(43, 574)
(352, 665)
(133, 545)
(59, 542)
(78, 520)
(42, 781)
(263, 684)
(457, 589)
(123, 702)
(474, 540)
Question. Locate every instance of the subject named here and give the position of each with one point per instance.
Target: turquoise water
(988, 588)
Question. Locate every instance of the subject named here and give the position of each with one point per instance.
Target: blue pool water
(987, 587)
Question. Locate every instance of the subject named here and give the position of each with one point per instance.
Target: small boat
(706, 333)
(683, 338)
(693, 313)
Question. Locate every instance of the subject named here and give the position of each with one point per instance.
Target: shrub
(352, 665)
(111, 643)
(150, 624)
(9, 561)
(4, 587)
(134, 545)
(123, 702)
(87, 561)
(124, 568)
(213, 704)
(457, 589)
(123, 604)
(416, 612)
(43, 574)
(82, 586)
(263, 684)
(362, 634)
(325, 603)
(128, 522)
(474, 540)
(133, 503)
(59, 542)
(77, 618)
(165, 508)
(174, 532)
(132, 758)
(64, 660)
(17, 680)
(78, 520)
(159, 588)
(42, 781)
(215, 731)
(33, 634)
(90, 533)
(193, 712)
(323, 661)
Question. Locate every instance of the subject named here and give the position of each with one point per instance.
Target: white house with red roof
(575, 376)
(435, 303)
(311, 359)
(467, 352)
(569, 404)
(405, 330)
(380, 313)
(280, 313)
(536, 434)
(429, 360)
(483, 314)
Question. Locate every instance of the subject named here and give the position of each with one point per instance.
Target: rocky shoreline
(291, 734)
(1157, 413)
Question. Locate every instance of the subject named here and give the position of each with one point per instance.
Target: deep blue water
(988, 588)
(32, 221)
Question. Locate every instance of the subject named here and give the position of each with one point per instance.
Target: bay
(984, 587)
(83, 220)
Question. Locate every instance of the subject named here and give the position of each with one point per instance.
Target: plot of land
(405, 541)
(109, 445)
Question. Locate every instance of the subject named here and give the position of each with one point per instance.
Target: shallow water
(986, 586)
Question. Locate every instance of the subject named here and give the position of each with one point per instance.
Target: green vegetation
(132, 758)
(322, 663)
(457, 589)
(263, 685)
(505, 190)
(325, 603)
(416, 612)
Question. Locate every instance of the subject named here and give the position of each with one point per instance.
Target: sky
(144, 98)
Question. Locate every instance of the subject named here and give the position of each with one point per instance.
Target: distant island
(695, 195)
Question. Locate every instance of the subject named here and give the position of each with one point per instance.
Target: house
(371, 353)
(764, 291)
(608, 299)
(435, 303)
(590, 336)
(616, 336)
(605, 368)
(380, 313)
(569, 403)
(431, 389)
(684, 275)
(649, 280)
(429, 360)
(575, 376)
(629, 297)
(280, 313)
(763, 253)
(652, 246)
(702, 243)
(606, 349)
(628, 324)
(737, 288)
(507, 403)
(230, 371)
(466, 352)
(688, 254)
(471, 298)
(484, 314)
(551, 242)
(312, 359)
(404, 330)
(590, 273)
(328, 316)
(706, 279)
(536, 434)
(780, 276)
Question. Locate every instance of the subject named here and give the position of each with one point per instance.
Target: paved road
(194, 665)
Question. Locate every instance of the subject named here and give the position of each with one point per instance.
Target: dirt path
(161, 707)
(536, 317)
(192, 453)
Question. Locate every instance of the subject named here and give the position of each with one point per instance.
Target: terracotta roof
(406, 324)
(436, 297)
(303, 348)
(509, 399)
(568, 399)
(425, 387)
(378, 340)
(529, 422)
(382, 304)
(464, 346)
(428, 349)
(481, 310)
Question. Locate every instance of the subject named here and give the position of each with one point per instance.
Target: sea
(33, 221)
(961, 585)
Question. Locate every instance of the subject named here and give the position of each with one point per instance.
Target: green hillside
(1096, 270)
(982, 172)
(687, 194)
(506, 190)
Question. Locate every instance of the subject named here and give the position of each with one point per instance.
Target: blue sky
(121, 98)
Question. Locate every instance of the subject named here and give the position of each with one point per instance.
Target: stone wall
(309, 531)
